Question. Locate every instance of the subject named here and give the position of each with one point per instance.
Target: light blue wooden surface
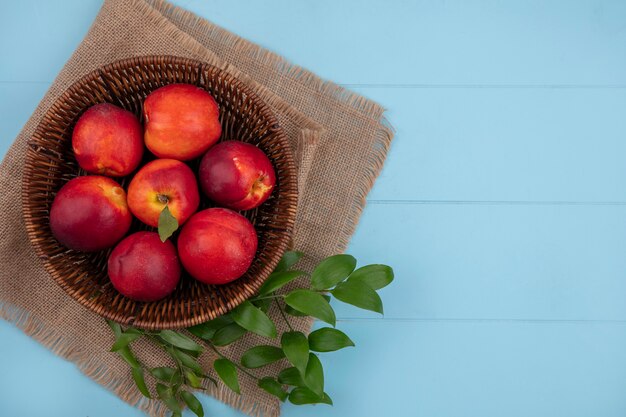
(502, 206)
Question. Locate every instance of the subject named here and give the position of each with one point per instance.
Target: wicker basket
(50, 164)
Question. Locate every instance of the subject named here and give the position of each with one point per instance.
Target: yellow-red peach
(217, 245)
(90, 213)
(108, 140)
(182, 121)
(163, 182)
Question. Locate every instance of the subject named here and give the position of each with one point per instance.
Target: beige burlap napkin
(340, 140)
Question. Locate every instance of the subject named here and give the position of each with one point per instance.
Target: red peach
(90, 213)
(182, 121)
(237, 175)
(217, 245)
(108, 140)
(143, 268)
(163, 182)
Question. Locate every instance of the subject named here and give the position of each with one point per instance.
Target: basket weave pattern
(50, 163)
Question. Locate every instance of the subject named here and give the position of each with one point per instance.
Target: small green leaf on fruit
(358, 294)
(272, 386)
(167, 224)
(253, 319)
(227, 371)
(332, 271)
(296, 348)
(328, 339)
(259, 356)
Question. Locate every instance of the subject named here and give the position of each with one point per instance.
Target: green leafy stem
(302, 382)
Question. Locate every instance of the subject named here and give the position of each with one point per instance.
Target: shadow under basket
(50, 163)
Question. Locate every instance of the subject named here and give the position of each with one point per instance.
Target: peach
(217, 245)
(143, 268)
(90, 214)
(237, 175)
(163, 182)
(182, 121)
(108, 140)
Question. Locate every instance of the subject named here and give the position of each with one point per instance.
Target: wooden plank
(497, 261)
(504, 144)
(435, 369)
(17, 102)
(372, 42)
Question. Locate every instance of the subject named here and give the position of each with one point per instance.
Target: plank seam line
(500, 202)
(479, 320)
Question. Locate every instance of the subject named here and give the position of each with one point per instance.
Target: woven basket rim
(289, 182)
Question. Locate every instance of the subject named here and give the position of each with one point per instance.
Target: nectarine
(108, 140)
(237, 175)
(90, 213)
(182, 121)
(143, 268)
(163, 182)
(217, 245)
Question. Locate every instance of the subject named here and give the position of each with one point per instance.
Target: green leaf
(291, 376)
(251, 318)
(186, 359)
(311, 303)
(228, 334)
(288, 260)
(296, 348)
(328, 339)
(167, 224)
(332, 271)
(207, 330)
(227, 371)
(376, 276)
(193, 403)
(272, 386)
(180, 340)
(262, 305)
(128, 356)
(117, 330)
(164, 373)
(193, 379)
(140, 381)
(301, 396)
(166, 395)
(124, 340)
(278, 280)
(293, 312)
(314, 375)
(261, 355)
(358, 294)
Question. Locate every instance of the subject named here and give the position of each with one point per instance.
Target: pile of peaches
(93, 212)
